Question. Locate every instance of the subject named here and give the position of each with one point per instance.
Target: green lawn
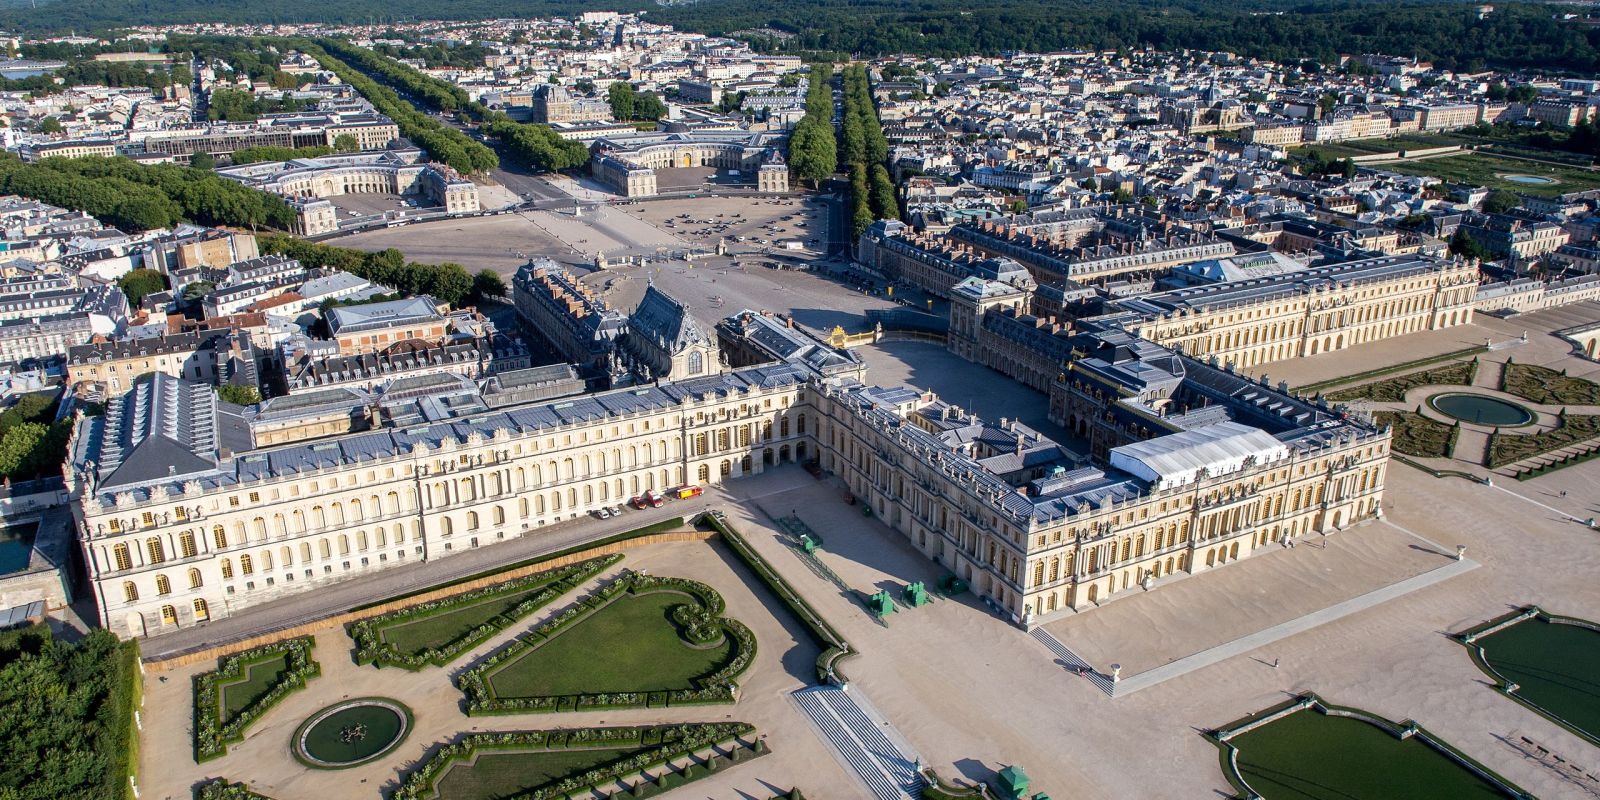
(415, 636)
(257, 679)
(498, 774)
(1480, 169)
(1556, 667)
(630, 645)
(1309, 755)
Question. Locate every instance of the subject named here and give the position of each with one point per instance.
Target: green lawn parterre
(535, 765)
(1554, 663)
(1483, 169)
(642, 640)
(436, 632)
(229, 699)
(1323, 752)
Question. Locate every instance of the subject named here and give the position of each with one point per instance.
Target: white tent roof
(1178, 458)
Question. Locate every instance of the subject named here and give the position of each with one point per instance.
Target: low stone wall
(310, 628)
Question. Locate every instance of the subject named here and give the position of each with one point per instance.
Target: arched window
(123, 558)
(227, 568)
(163, 586)
(246, 565)
(472, 520)
(286, 556)
(186, 546)
(219, 537)
(195, 581)
(154, 549)
(201, 612)
(324, 550)
(696, 362)
(499, 516)
(130, 592)
(445, 526)
(169, 615)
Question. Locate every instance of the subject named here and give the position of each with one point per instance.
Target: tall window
(246, 566)
(186, 544)
(163, 586)
(219, 537)
(227, 568)
(169, 615)
(130, 592)
(154, 549)
(195, 581)
(123, 558)
(201, 612)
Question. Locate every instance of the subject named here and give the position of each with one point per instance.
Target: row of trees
(444, 143)
(136, 197)
(538, 145)
(237, 105)
(863, 145)
(813, 152)
(448, 281)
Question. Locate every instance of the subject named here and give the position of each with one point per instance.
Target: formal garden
(351, 733)
(231, 698)
(435, 633)
(1393, 390)
(1416, 435)
(1509, 448)
(1306, 749)
(639, 641)
(635, 761)
(1546, 386)
(1549, 663)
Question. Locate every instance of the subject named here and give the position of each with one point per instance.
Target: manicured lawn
(439, 630)
(1556, 667)
(630, 645)
(499, 774)
(1309, 755)
(1480, 169)
(257, 679)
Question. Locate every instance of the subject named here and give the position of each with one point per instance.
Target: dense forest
(66, 715)
(1449, 33)
(139, 197)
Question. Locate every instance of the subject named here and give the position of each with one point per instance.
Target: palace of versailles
(186, 513)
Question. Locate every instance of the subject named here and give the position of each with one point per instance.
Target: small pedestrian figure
(1563, 492)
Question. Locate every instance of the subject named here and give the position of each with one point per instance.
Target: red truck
(686, 492)
(650, 499)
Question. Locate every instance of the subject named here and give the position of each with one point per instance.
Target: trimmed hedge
(221, 789)
(654, 528)
(212, 734)
(1416, 435)
(1570, 461)
(1508, 448)
(1389, 370)
(834, 647)
(715, 687)
(373, 648)
(660, 745)
(1393, 390)
(1547, 386)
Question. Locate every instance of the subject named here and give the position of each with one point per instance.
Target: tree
(202, 160)
(622, 98)
(448, 282)
(1462, 244)
(1327, 102)
(649, 107)
(486, 285)
(884, 205)
(1500, 201)
(1019, 206)
(345, 143)
(238, 395)
(196, 291)
(50, 125)
(140, 282)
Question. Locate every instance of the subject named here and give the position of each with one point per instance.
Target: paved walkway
(1073, 661)
(360, 590)
(862, 740)
(1284, 630)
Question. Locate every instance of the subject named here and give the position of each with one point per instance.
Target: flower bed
(1416, 435)
(1393, 390)
(1547, 386)
(372, 647)
(213, 733)
(834, 647)
(701, 626)
(1508, 448)
(653, 748)
(221, 789)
